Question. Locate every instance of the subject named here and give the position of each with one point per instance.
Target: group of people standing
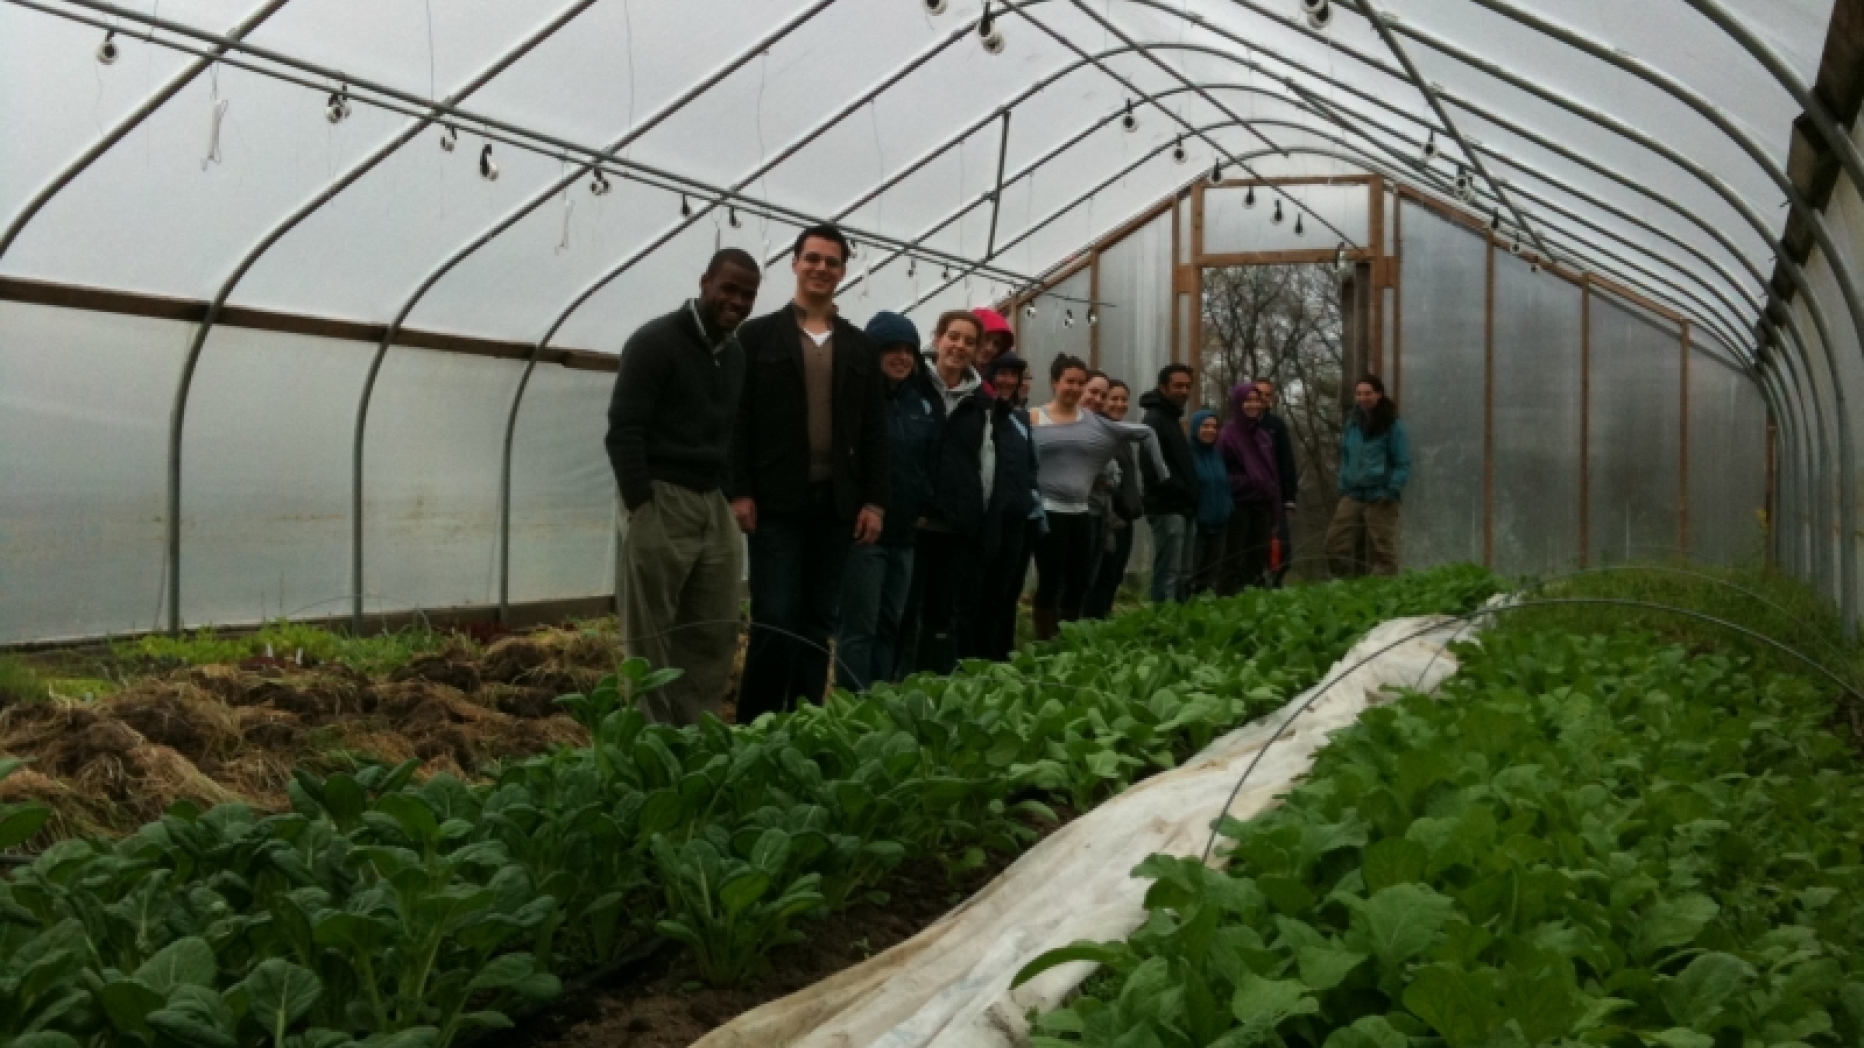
(893, 499)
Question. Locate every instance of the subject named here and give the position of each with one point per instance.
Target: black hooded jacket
(1178, 492)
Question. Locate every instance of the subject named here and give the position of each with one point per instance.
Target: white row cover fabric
(152, 215)
(949, 986)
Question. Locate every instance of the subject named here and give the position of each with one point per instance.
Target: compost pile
(223, 733)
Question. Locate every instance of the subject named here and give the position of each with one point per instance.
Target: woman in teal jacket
(1375, 462)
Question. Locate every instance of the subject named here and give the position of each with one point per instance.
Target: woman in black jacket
(948, 552)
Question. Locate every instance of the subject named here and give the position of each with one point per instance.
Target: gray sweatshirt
(1070, 455)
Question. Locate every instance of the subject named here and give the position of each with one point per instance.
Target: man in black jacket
(1171, 502)
(1290, 476)
(669, 431)
(808, 473)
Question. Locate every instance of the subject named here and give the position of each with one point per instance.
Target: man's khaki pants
(682, 573)
(1363, 538)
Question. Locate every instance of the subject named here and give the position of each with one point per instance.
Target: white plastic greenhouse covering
(310, 307)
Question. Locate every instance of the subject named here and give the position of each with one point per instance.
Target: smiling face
(1119, 398)
(818, 267)
(896, 362)
(957, 348)
(1207, 431)
(1365, 397)
(1094, 394)
(727, 293)
(1252, 404)
(1069, 387)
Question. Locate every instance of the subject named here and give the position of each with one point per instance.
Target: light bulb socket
(1129, 121)
(598, 186)
(487, 169)
(1249, 197)
(449, 139)
(993, 43)
(1029, 309)
(108, 52)
(1067, 318)
(1277, 216)
(1177, 151)
(1321, 19)
(935, 7)
(686, 207)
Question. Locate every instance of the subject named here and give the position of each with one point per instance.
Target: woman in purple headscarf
(1255, 487)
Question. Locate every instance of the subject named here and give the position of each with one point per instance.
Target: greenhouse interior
(311, 316)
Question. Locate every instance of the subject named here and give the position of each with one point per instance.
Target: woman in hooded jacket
(1214, 506)
(1375, 462)
(1255, 492)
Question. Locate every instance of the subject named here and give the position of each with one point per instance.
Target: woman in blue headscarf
(1214, 504)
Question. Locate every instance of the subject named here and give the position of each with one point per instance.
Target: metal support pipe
(511, 218)
(996, 195)
(1382, 24)
(128, 123)
(1019, 7)
(178, 414)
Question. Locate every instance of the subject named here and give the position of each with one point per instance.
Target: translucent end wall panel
(1050, 332)
(84, 401)
(430, 514)
(1230, 227)
(1537, 420)
(562, 490)
(1136, 298)
(1444, 289)
(265, 493)
(1634, 454)
(1727, 464)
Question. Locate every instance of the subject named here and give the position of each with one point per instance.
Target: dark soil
(665, 1005)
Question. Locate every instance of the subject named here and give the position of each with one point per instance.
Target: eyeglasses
(831, 261)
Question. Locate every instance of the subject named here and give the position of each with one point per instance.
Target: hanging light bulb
(108, 51)
(1067, 318)
(1319, 13)
(1299, 230)
(1277, 217)
(987, 33)
(1249, 198)
(1430, 147)
(598, 186)
(1216, 172)
(935, 7)
(732, 217)
(686, 207)
(337, 109)
(1093, 316)
(912, 268)
(1516, 246)
(1339, 259)
(1029, 309)
(487, 169)
(1129, 121)
(449, 139)
(946, 273)
(1495, 220)
(1177, 151)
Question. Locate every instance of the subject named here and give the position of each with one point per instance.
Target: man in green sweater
(669, 437)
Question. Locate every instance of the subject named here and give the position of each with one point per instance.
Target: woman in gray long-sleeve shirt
(1072, 447)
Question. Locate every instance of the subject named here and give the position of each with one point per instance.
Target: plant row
(385, 911)
(1581, 840)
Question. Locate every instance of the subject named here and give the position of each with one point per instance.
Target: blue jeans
(1170, 544)
(874, 585)
(796, 565)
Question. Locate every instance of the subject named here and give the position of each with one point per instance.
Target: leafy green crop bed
(1581, 840)
(388, 912)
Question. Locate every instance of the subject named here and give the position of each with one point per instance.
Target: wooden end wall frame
(1394, 382)
(1376, 277)
(194, 311)
(1375, 233)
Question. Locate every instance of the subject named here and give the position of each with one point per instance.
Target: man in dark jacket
(1290, 480)
(669, 433)
(1171, 502)
(809, 473)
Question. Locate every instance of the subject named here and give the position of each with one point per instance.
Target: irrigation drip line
(1441, 622)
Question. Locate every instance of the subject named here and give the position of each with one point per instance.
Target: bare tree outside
(1284, 323)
